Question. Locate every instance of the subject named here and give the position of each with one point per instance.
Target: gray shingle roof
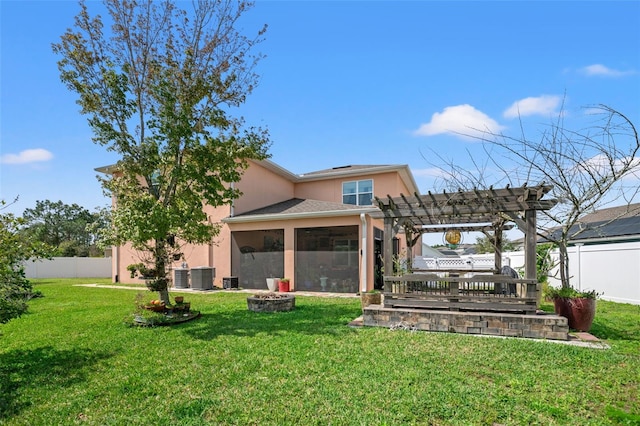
(627, 226)
(611, 213)
(617, 223)
(298, 205)
(351, 167)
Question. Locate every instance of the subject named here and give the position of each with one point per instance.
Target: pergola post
(388, 250)
(530, 244)
(530, 254)
(408, 234)
(497, 254)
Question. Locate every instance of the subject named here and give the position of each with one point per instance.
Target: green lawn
(72, 360)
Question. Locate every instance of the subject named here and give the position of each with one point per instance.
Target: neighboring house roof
(611, 213)
(299, 208)
(625, 228)
(621, 223)
(469, 250)
(448, 252)
(428, 251)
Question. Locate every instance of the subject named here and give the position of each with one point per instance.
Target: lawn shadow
(45, 366)
(615, 331)
(308, 319)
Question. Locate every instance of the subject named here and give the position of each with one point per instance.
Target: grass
(71, 360)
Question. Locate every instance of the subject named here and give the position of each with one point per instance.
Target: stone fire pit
(271, 302)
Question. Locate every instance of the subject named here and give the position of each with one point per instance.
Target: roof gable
(350, 171)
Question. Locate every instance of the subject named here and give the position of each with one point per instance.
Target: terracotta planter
(578, 311)
(283, 286)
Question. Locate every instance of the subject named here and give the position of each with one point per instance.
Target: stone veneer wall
(543, 326)
(280, 303)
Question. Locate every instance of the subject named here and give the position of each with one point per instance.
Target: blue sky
(343, 83)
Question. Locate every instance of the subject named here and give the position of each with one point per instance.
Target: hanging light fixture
(452, 238)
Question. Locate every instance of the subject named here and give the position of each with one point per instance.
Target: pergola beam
(411, 209)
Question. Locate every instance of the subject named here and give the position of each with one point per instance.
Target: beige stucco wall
(262, 187)
(195, 255)
(331, 189)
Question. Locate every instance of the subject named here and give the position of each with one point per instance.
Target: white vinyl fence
(610, 269)
(70, 267)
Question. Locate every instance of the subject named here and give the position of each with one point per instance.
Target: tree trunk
(164, 295)
(161, 264)
(564, 265)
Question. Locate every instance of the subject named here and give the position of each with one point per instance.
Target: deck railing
(450, 263)
(480, 292)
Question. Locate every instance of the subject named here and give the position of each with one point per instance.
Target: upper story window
(359, 193)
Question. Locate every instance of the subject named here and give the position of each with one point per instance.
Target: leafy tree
(544, 262)
(69, 228)
(98, 228)
(485, 245)
(158, 90)
(587, 168)
(15, 289)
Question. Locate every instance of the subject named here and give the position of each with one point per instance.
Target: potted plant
(283, 285)
(579, 307)
(370, 297)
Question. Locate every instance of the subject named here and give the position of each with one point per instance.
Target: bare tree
(587, 168)
(158, 89)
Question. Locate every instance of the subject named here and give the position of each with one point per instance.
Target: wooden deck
(446, 291)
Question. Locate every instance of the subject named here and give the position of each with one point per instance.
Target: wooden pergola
(489, 211)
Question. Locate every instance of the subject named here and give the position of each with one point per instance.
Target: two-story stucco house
(314, 229)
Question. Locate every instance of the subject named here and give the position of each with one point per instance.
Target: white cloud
(433, 172)
(27, 156)
(600, 165)
(603, 71)
(461, 120)
(541, 105)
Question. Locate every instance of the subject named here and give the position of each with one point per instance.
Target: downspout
(363, 272)
(115, 253)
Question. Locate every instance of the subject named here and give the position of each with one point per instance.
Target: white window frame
(358, 191)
